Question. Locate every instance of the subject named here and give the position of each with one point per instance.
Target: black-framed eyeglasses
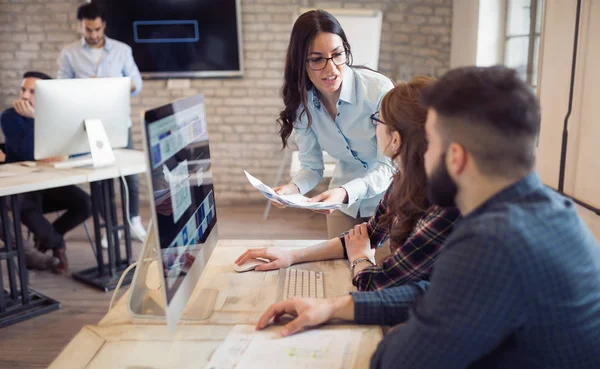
(375, 119)
(320, 62)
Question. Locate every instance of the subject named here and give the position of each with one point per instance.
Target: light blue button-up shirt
(360, 169)
(77, 61)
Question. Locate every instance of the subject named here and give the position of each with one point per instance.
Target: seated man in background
(518, 283)
(17, 125)
(98, 56)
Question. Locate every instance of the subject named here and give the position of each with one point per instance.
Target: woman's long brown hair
(402, 113)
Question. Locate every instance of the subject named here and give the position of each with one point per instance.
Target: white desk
(120, 341)
(23, 303)
(45, 176)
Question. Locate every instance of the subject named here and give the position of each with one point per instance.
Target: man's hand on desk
(278, 258)
(308, 313)
(54, 159)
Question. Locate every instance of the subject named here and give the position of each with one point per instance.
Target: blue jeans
(133, 186)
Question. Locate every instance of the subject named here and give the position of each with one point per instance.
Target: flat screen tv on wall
(179, 38)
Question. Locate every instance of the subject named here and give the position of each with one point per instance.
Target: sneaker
(137, 228)
(104, 240)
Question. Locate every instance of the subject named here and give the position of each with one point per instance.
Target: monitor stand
(147, 297)
(102, 154)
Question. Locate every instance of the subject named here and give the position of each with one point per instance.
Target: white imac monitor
(64, 109)
(183, 232)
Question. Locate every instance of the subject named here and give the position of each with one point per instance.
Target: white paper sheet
(292, 201)
(246, 348)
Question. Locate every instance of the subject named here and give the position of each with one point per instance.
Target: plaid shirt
(517, 286)
(413, 260)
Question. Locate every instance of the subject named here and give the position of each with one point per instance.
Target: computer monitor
(183, 232)
(64, 106)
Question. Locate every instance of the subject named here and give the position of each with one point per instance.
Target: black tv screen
(178, 38)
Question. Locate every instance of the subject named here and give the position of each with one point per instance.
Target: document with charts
(292, 201)
(247, 348)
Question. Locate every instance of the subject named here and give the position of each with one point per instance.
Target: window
(523, 28)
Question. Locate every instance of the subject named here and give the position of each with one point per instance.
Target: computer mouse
(248, 265)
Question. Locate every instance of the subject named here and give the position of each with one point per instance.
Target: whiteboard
(363, 30)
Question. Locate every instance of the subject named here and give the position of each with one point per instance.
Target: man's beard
(441, 189)
(92, 42)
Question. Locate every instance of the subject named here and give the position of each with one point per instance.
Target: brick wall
(240, 112)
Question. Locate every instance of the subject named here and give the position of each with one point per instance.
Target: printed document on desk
(247, 348)
(292, 201)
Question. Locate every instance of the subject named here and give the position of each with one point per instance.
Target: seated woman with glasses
(327, 106)
(417, 231)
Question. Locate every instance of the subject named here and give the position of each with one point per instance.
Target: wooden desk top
(45, 176)
(122, 341)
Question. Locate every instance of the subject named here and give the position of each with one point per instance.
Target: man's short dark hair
(90, 11)
(492, 112)
(35, 74)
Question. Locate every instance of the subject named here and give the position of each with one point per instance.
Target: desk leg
(23, 274)
(115, 227)
(106, 276)
(19, 303)
(10, 262)
(96, 191)
(109, 222)
(126, 229)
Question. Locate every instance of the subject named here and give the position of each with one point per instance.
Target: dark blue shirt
(516, 286)
(18, 134)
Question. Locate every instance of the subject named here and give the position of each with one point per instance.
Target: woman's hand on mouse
(288, 189)
(278, 258)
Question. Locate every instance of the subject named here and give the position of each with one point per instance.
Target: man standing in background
(96, 56)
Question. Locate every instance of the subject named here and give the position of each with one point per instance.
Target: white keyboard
(74, 163)
(300, 283)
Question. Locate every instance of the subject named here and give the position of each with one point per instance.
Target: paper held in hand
(292, 201)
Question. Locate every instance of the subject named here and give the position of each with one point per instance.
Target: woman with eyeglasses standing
(327, 105)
